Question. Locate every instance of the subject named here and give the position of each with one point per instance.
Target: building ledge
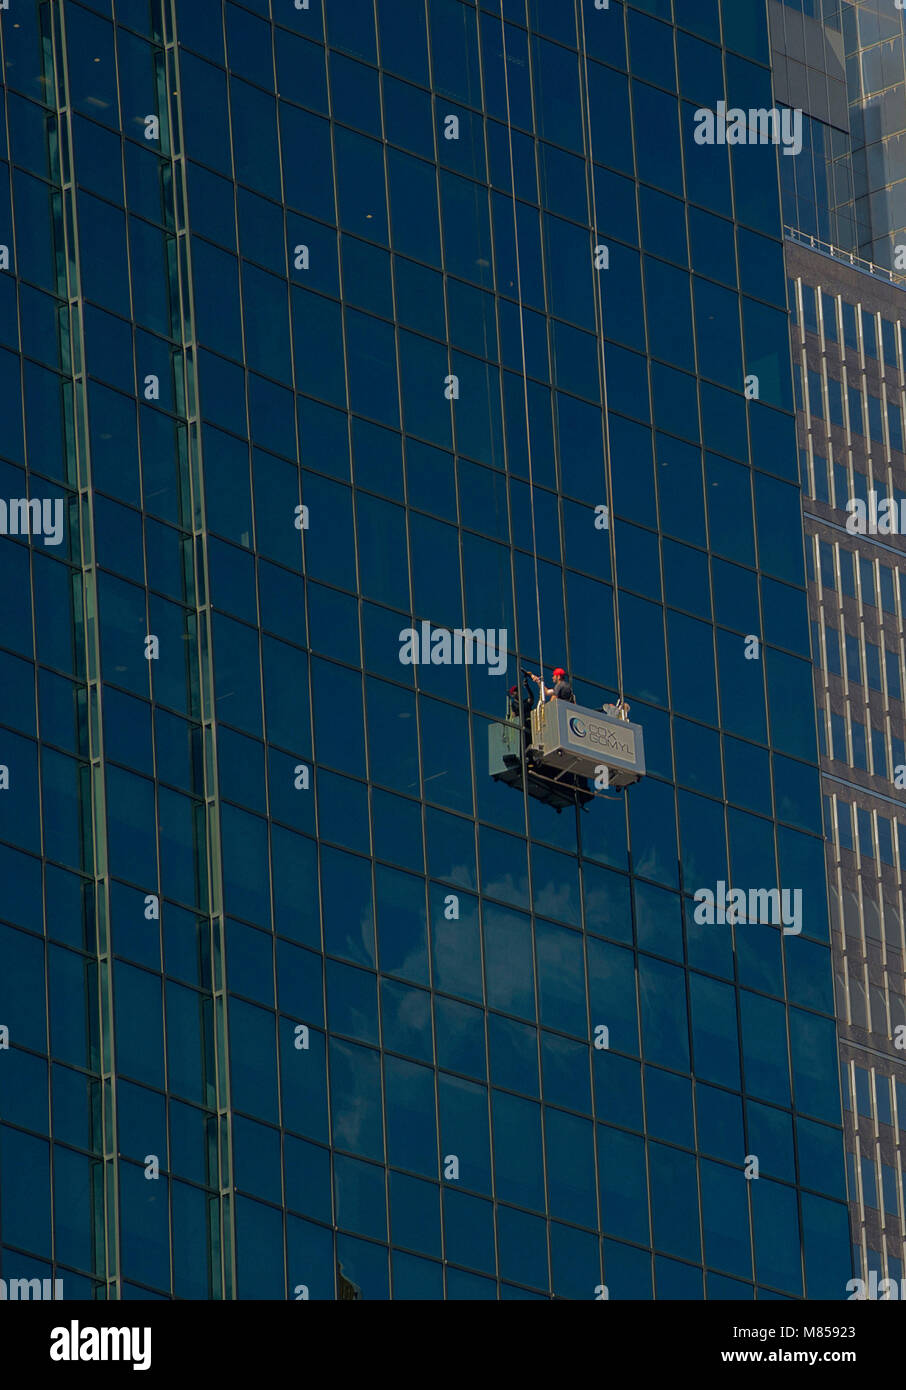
(836, 253)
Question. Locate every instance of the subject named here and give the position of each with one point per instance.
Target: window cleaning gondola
(563, 751)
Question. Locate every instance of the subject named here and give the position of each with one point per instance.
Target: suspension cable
(599, 323)
(528, 429)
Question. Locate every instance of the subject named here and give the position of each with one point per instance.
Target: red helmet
(559, 673)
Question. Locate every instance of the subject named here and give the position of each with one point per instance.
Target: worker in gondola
(560, 690)
(522, 709)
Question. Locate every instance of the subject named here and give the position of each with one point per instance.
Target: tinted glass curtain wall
(302, 310)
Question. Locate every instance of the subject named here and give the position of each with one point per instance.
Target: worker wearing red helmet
(561, 689)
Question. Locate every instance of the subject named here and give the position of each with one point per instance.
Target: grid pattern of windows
(877, 1100)
(874, 38)
(817, 185)
(848, 188)
(810, 78)
(316, 1000)
(867, 833)
(826, 10)
(847, 354)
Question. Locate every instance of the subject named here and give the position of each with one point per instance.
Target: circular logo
(577, 727)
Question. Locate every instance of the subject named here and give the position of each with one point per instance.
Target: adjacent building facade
(318, 322)
(846, 294)
(849, 380)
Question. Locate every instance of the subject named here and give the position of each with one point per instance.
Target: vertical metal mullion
(91, 654)
(223, 1221)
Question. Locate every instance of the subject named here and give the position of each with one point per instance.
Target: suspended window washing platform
(565, 752)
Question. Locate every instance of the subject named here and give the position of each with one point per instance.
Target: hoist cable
(528, 431)
(599, 321)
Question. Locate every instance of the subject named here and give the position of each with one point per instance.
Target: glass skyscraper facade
(842, 62)
(873, 34)
(810, 73)
(320, 321)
